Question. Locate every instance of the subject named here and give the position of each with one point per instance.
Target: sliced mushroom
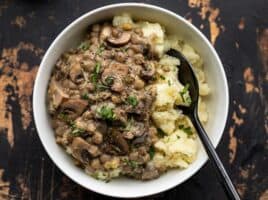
(122, 39)
(76, 73)
(150, 173)
(101, 127)
(115, 71)
(105, 157)
(118, 85)
(148, 71)
(139, 140)
(74, 107)
(120, 141)
(138, 129)
(57, 94)
(88, 65)
(119, 68)
(66, 83)
(83, 151)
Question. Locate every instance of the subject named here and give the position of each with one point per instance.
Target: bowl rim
(81, 18)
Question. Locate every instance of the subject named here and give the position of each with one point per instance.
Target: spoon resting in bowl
(186, 76)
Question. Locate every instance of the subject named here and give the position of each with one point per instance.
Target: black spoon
(186, 76)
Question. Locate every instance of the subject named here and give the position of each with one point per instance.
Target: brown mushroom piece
(57, 95)
(76, 73)
(150, 173)
(138, 129)
(120, 141)
(148, 71)
(73, 107)
(88, 65)
(140, 140)
(115, 72)
(83, 151)
(122, 39)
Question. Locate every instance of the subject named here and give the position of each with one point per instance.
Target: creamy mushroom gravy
(101, 99)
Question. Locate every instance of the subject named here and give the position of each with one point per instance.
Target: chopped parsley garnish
(151, 152)
(132, 100)
(187, 130)
(106, 113)
(84, 46)
(185, 89)
(95, 74)
(85, 96)
(77, 131)
(100, 49)
(97, 67)
(101, 86)
(185, 94)
(124, 49)
(169, 83)
(131, 163)
(160, 133)
(162, 77)
(63, 116)
(109, 80)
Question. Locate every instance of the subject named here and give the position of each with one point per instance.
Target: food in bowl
(112, 101)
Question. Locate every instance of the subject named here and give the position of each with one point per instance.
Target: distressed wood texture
(238, 30)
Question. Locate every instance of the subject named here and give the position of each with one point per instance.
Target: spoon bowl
(186, 75)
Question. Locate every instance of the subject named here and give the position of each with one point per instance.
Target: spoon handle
(214, 158)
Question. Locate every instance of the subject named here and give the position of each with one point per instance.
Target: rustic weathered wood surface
(238, 30)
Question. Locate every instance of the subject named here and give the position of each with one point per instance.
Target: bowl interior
(217, 102)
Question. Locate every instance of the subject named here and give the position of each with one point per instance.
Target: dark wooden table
(239, 31)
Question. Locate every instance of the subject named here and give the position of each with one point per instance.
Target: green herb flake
(106, 113)
(97, 67)
(101, 86)
(187, 130)
(131, 163)
(132, 100)
(151, 152)
(186, 88)
(181, 126)
(84, 46)
(63, 116)
(169, 83)
(162, 77)
(185, 94)
(100, 49)
(109, 80)
(95, 74)
(85, 96)
(75, 130)
(160, 133)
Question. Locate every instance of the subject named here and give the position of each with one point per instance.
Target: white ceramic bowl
(217, 103)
